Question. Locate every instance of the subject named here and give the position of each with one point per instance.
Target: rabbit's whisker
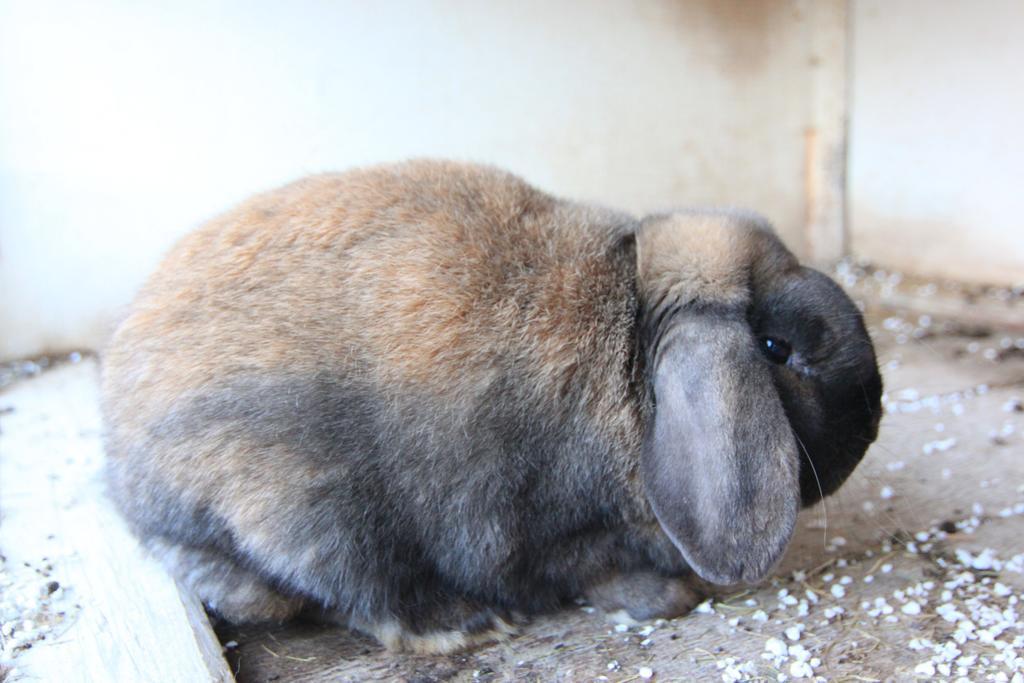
(824, 504)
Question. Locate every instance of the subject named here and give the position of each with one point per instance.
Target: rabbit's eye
(776, 349)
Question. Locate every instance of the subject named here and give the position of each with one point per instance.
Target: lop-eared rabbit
(426, 399)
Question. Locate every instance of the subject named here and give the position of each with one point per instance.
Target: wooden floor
(939, 497)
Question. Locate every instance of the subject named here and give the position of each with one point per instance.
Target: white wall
(936, 182)
(125, 123)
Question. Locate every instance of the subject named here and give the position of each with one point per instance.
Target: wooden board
(124, 618)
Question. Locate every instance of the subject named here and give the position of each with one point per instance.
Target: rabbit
(427, 400)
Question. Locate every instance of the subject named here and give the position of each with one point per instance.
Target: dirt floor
(915, 569)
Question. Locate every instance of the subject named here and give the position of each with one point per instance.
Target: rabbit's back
(423, 273)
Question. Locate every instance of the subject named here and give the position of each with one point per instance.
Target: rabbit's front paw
(642, 596)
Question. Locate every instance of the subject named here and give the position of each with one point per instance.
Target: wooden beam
(126, 619)
(825, 138)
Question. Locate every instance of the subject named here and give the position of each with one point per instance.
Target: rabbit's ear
(720, 463)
